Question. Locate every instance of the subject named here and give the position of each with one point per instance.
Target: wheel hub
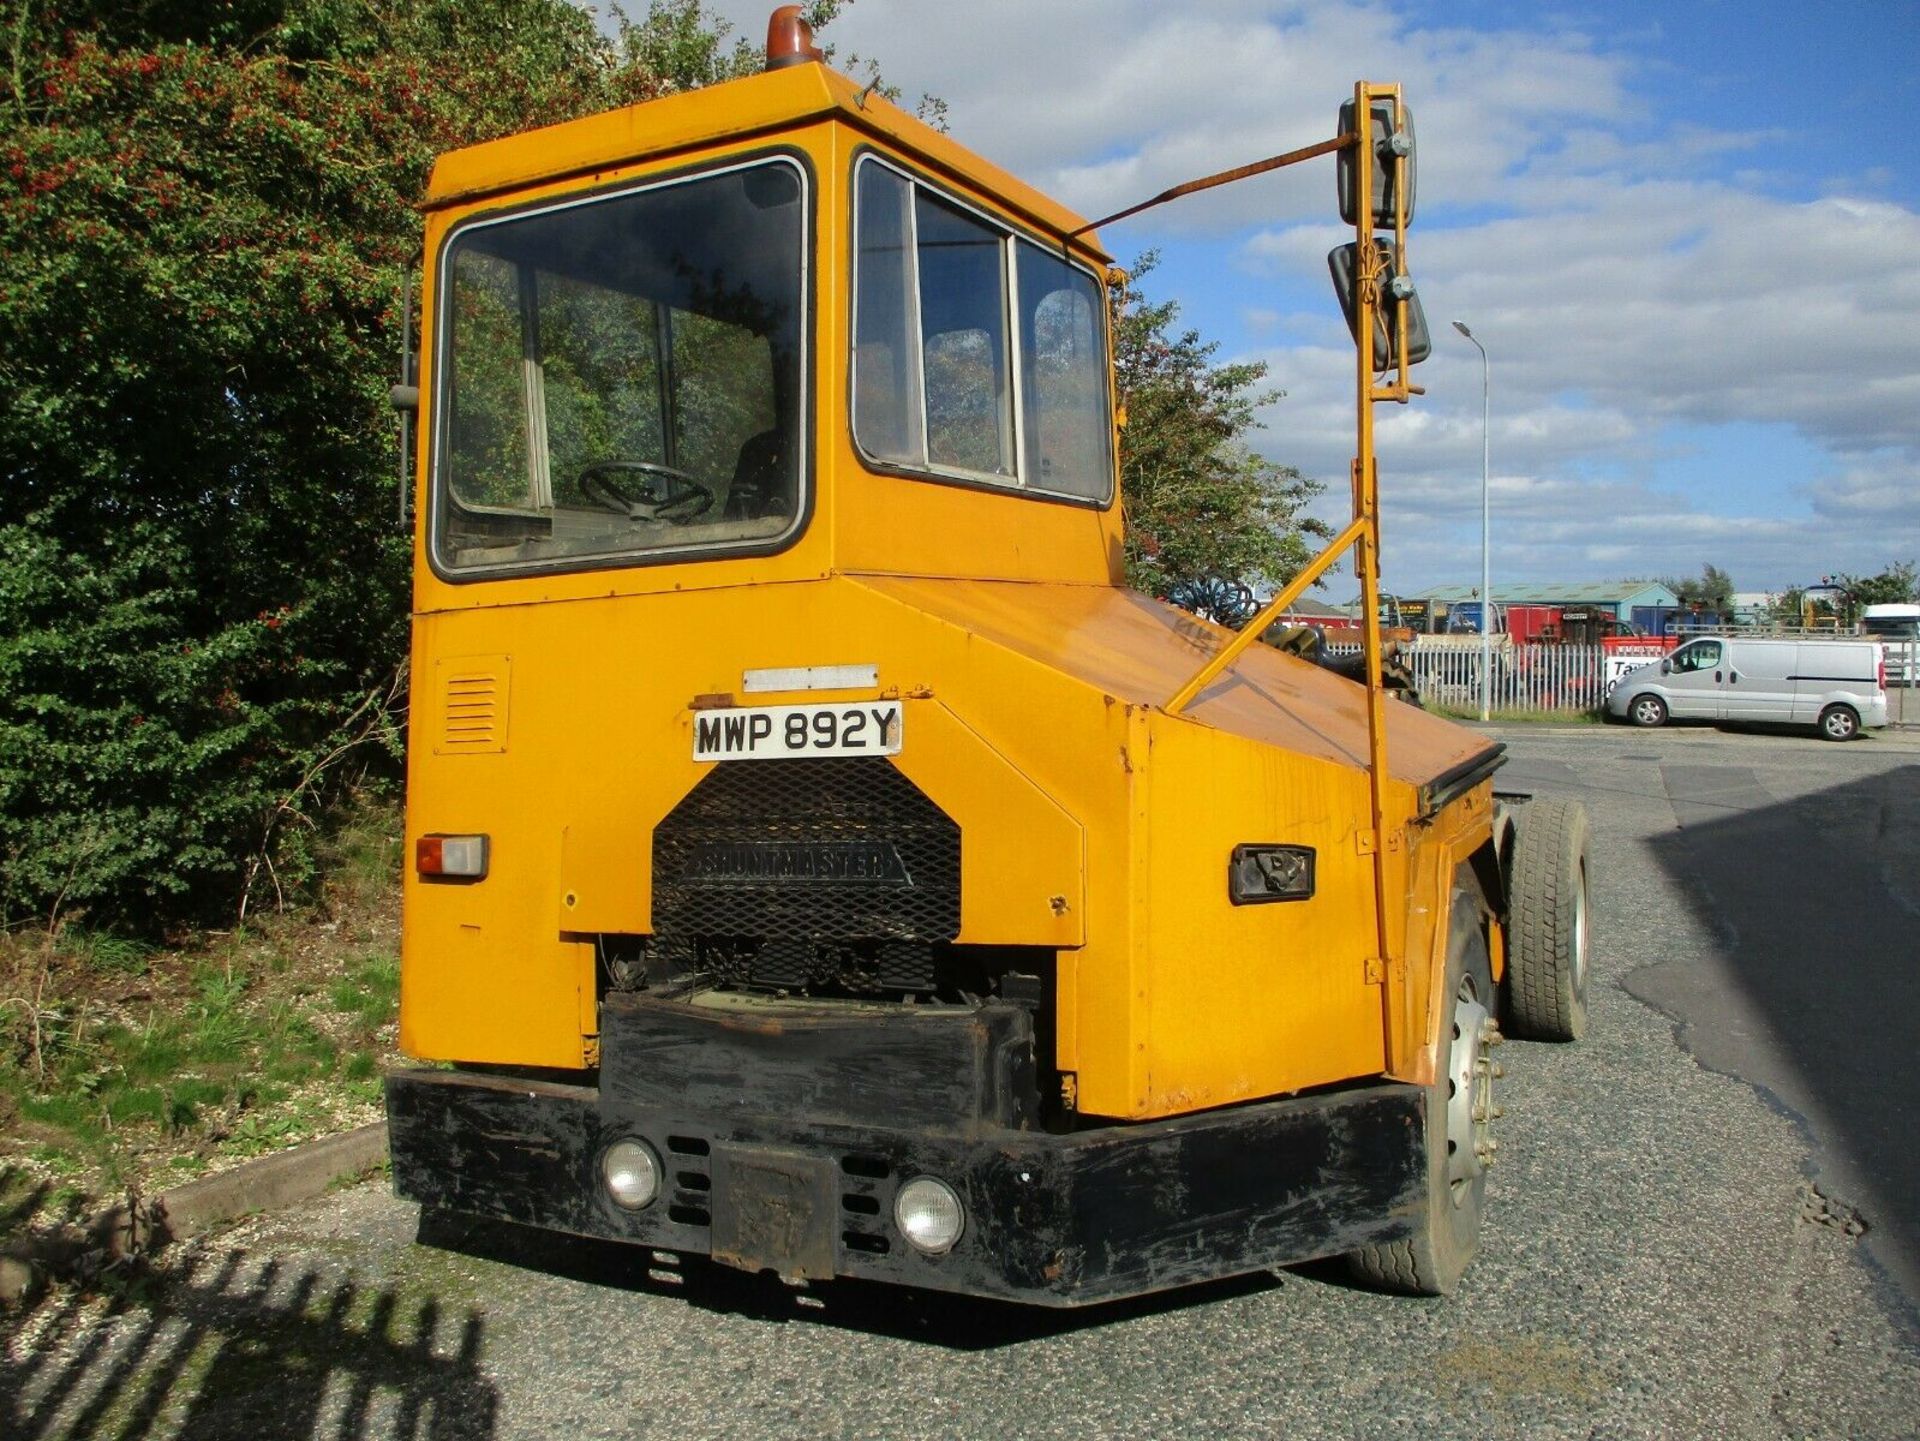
(1471, 1072)
(1580, 932)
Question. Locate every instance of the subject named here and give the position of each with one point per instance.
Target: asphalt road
(1675, 1247)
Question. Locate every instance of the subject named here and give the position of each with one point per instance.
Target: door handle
(1716, 677)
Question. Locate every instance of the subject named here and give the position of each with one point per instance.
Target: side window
(886, 365)
(1702, 655)
(976, 353)
(1069, 432)
(963, 332)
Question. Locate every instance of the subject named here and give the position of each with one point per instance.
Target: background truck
(1589, 625)
(821, 861)
(1530, 624)
(1896, 625)
(1465, 618)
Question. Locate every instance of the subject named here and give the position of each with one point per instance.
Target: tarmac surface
(1703, 1223)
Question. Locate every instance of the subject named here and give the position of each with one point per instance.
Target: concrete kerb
(266, 1184)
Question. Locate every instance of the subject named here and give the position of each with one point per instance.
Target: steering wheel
(683, 498)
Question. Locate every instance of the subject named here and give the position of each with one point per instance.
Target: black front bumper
(1059, 1219)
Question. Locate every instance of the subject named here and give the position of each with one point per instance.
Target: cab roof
(764, 104)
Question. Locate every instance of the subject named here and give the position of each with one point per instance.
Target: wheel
(1839, 723)
(1460, 1113)
(684, 498)
(1647, 710)
(1546, 982)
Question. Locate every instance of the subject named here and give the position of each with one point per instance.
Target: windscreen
(1900, 627)
(621, 377)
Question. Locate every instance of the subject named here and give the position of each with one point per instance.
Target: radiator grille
(790, 874)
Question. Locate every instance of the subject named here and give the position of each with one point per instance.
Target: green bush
(205, 216)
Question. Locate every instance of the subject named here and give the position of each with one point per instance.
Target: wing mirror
(1344, 262)
(1389, 145)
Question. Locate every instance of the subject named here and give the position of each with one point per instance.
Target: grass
(1519, 717)
(127, 1068)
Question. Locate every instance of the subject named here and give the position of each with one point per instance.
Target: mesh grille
(796, 873)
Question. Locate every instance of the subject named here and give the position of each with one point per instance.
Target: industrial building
(1646, 605)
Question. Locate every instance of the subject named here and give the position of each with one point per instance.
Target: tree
(1200, 502)
(1893, 586)
(205, 214)
(1712, 592)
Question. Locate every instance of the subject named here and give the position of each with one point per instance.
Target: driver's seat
(761, 478)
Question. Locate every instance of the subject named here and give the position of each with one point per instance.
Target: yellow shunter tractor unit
(820, 860)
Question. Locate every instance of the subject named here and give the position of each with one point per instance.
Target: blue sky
(1687, 234)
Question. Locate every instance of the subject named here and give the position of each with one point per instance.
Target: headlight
(929, 1214)
(632, 1173)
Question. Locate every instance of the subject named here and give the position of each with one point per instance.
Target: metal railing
(1903, 682)
(1574, 679)
(1559, 678)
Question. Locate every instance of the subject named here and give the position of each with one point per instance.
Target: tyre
(1547, 932)
(1647, 710)
(1839, 723)
(1459, 1141)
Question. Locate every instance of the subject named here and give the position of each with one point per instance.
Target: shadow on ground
(216, 1345)
(1814, 905)
(30, 1201)
(961, 1323)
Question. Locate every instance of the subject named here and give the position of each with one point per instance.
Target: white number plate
(769, 732)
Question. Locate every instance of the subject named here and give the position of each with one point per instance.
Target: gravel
(1672, 1251)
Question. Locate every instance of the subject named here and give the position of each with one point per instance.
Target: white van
(1897, 627)
(1837, 685)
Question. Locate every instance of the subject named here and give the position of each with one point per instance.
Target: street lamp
(1486, 534)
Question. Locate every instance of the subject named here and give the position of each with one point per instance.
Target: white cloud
(1628, 273)
(1104, 103)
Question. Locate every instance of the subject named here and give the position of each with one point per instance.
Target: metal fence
(1903, 682)
(1567, 678)
(1571, 679)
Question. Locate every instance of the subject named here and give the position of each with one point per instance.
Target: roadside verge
(148, 1223)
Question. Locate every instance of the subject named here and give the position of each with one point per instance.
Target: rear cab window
(621, 377)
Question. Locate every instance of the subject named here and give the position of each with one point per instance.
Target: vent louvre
(473, 705)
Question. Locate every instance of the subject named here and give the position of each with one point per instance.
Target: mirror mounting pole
(405, 396)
